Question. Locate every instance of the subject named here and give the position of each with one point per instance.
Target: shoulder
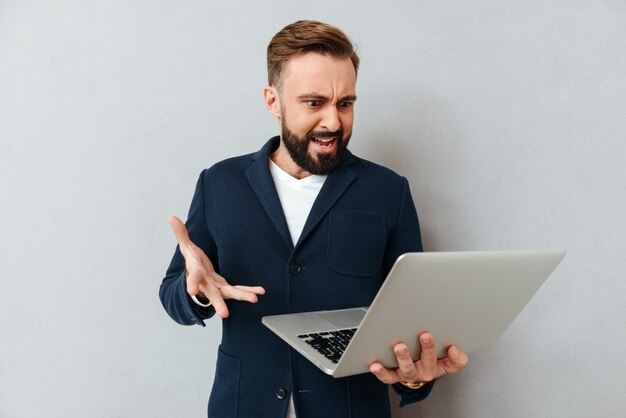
(230, 165)
(237, 166)
(375, 174)
(369, 167)
(226, 175)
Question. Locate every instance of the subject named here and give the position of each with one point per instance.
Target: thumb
(179, 229)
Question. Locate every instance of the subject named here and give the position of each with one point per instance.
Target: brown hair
(305, 36)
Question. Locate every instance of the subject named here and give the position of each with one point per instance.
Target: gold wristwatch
(415, 385)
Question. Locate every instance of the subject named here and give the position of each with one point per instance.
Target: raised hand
(202, 280)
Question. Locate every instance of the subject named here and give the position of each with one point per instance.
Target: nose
(330, 119)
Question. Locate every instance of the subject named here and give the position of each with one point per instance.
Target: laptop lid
(463, 298)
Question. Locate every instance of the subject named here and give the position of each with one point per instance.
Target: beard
(298, 149)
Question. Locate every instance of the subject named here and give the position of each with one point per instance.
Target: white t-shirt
(296, 197)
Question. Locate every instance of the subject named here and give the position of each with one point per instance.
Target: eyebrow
(316, 96)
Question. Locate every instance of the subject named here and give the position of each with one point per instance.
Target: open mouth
(324, 142)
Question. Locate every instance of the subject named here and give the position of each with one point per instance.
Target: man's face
(314, 162)
(316, 102)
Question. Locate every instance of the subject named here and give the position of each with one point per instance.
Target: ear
(272, 101)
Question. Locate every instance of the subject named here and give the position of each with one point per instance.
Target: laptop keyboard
(331, 344)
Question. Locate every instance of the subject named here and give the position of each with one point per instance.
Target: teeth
(325, 141)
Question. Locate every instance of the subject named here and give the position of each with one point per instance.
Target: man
(300, 225)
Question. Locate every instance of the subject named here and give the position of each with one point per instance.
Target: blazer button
(281, 393)
(295, 268)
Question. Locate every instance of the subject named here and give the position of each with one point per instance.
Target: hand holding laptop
(203, 280)
(426, 368)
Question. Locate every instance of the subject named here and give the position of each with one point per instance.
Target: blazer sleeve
(173, 290)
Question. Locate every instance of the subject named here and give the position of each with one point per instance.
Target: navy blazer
(361, 221)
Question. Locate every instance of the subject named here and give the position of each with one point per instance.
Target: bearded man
(301, 225)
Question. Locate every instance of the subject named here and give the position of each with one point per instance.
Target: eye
(346, 104)
(313, 103)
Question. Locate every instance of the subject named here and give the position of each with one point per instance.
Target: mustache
(325, 134)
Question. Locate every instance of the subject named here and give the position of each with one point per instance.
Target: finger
(258, 290)
(428, 357)
(179, 229)
(212, 293)
(384, 375)
(214, 296)
(455, 361)
(234, 292)
(406, 366)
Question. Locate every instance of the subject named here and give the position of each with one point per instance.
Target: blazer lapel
(335, 185)
(263, 185)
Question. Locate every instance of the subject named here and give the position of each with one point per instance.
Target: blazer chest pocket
(356, 242)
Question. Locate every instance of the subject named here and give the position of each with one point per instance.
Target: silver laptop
(463, 298)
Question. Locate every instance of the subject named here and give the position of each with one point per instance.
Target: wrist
(201, 300)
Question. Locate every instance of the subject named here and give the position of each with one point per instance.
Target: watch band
(411, 385)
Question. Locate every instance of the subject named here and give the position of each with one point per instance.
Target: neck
(282, 159)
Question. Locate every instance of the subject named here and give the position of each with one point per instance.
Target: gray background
(507, 118)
